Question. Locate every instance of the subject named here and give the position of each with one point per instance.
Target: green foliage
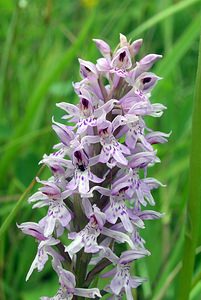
(192, 230)
(40, 43)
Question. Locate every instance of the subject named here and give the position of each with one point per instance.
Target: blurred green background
(40, 41)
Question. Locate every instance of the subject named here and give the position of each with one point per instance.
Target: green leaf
(194, 202)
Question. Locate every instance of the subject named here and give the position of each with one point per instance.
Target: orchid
(99, 185)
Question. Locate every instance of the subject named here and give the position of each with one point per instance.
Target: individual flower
(111, 148)
(45, 248)
(87, 237)
(68, 288)
(80, 165)
(86, 115)
(137, 188)
(59, 215)
(122, 280)
(117, 208)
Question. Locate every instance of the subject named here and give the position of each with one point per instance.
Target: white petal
(119, 236)
(87, 293)
(33, 266)
(75, 246)
(116, 284)
(49, 225)
(83, 186)
(129, 295)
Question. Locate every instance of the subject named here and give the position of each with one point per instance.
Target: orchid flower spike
(96, 195)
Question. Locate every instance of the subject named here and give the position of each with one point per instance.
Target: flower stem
(194, 202)
(18, 205)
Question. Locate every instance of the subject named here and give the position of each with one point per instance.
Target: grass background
(40, 42)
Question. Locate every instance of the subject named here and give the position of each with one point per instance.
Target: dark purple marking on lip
(81, 168)
(122, 56)
(146, 80)
(87, 69)
(123, 189)
(85, 103)
(78, 155)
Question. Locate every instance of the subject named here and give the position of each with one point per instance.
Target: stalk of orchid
(99, 184)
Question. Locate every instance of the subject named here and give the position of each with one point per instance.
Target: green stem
(18, 205)
(196, 280)
(83, 259)
(194, 202)
(2, 268)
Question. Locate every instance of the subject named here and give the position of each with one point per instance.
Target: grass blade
(170, 278)
(18, 205)
(6, 53)
(194, 203)
(168, 64)
(161, 16)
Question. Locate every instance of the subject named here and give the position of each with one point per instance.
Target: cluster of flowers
(99, 182)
